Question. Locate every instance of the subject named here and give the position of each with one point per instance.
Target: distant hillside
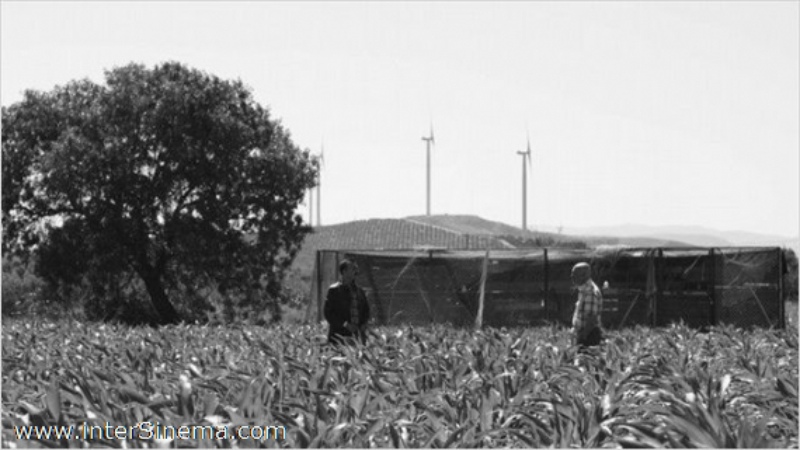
(594, 241)
(478, 225)
(693, 235)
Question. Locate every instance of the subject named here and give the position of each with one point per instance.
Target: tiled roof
(395, 234)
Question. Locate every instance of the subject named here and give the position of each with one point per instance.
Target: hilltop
(468, 224)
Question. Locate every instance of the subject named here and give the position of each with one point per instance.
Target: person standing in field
(586, 326)
(346, 307)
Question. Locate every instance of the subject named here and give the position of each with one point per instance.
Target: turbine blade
(528, 153)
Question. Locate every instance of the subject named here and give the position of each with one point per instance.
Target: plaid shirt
(588, 307)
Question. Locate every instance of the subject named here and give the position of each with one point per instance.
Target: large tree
(165, 173)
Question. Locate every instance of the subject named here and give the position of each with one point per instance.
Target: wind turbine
(526, 155)
(428, 141)
(319, 185)
(311, 206)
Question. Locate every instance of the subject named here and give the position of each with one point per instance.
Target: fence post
(659, 277)
(713, 286)
(481, 297)
(546, 286)
(781, 287)
(319, 261)
(381, 313)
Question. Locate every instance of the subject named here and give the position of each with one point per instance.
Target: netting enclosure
(742, 286)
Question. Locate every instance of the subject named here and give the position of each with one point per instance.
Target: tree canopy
(169, 174)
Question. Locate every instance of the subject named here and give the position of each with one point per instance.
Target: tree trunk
(158, 295)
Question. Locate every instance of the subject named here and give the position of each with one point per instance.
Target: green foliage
(168, 174)
(410, 387)
(21, 288)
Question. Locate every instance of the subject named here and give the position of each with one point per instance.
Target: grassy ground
(416, 387)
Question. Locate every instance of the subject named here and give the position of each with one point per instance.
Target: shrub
(21, 288)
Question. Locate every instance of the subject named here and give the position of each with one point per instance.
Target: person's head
(348, 271)
(581, 273)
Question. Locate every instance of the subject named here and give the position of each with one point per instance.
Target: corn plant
(435, 386)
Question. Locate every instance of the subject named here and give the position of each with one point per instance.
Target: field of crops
(410, 387)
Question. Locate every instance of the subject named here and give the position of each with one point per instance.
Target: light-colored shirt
(588, 307)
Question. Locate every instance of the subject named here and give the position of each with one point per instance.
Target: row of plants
(435, 386)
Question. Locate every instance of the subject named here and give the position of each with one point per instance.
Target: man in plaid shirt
(586, 321)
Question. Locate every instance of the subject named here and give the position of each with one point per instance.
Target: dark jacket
(337, 312)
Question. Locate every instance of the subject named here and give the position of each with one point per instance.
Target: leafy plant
(435, 386)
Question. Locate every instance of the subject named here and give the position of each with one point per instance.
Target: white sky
(658, 113)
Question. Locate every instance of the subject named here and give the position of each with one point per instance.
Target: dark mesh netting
(654, 286)
(514, 292)
(417, 290)
(685, 292)
(425, 288)
(629, 289)
(748, 287)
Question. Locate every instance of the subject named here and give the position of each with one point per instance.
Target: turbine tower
(428, 141)
(311, 206)
(526, 155)
(319, 185)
